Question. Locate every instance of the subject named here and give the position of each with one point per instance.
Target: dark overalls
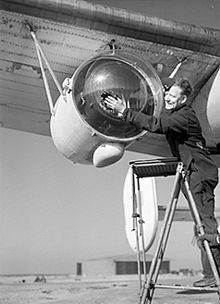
(184, 135)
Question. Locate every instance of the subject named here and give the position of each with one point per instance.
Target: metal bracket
(180, 62)
(42, 57)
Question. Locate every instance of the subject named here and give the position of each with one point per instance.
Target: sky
(54, 214)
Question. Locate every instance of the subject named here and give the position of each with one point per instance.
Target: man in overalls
(179, 123)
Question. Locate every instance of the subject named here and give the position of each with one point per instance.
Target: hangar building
(116, 265)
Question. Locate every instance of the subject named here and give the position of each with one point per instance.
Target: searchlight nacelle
(82, 128)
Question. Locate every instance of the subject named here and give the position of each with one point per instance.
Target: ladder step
(155, 167)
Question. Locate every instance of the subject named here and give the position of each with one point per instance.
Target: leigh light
(82, 128)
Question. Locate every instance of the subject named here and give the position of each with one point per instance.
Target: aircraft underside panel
(68, 46)
(69, 42)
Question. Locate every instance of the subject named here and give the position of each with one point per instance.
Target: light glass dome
(121, 76)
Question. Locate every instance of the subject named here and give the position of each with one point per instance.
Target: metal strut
(163, 168)
(41, 55)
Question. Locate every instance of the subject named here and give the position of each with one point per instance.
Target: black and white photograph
(109, 151)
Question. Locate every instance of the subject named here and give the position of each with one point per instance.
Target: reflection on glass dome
(118, 78)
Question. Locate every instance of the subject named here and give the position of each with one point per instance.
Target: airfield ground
(112, 290)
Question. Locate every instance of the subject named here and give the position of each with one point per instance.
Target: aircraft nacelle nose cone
(83, 125)
(107, 154)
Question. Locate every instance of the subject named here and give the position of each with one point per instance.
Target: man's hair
(185, 85)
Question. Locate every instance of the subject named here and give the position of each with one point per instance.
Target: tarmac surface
(111, 290)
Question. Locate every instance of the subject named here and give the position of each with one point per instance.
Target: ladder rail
(135, 226)
(141, 228)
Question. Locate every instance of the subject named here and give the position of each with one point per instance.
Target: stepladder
(165, 167)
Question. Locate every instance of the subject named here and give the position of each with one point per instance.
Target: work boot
(205, 282)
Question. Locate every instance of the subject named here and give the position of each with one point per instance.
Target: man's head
(177, 94)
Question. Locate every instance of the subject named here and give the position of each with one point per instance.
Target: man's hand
(213, 239)
(115, 103)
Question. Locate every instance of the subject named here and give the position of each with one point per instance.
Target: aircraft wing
(71, 32)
